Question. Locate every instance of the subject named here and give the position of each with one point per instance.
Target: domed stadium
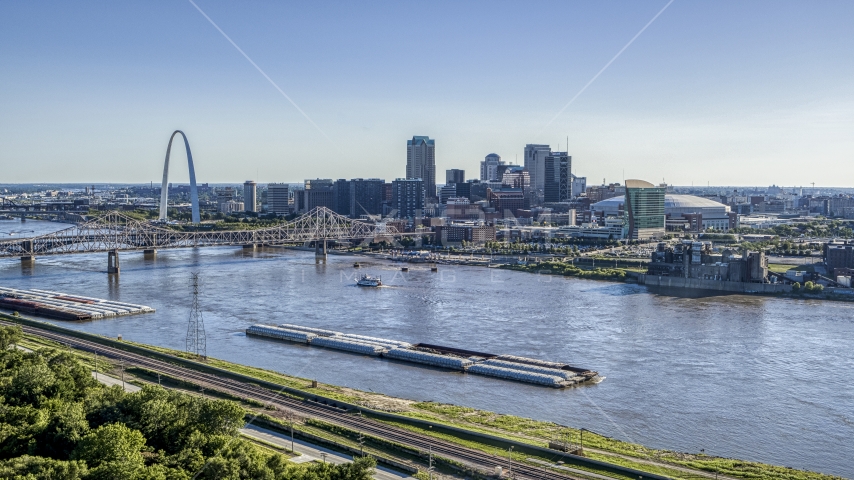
(682, 211)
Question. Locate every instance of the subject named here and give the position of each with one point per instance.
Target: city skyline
(725, 86)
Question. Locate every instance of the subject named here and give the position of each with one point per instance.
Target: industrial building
(839, 258)
(691, 259)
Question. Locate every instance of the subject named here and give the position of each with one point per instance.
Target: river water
(756, 378)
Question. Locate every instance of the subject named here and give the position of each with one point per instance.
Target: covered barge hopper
(64, 306)
(507, 367)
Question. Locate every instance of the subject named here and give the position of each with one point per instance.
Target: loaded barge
(508, 367)
(62, 306)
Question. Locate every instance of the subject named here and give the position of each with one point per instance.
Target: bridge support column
(249, 246)
(113, 261)
(320, 249)
(149, 252)
(27, 246)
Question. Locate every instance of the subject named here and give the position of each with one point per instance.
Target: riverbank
(519, 429)
(527, 430)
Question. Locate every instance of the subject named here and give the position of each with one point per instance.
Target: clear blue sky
(726, 92)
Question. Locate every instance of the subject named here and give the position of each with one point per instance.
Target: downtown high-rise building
(277, 198)
(455, 175)
(489, 171)
(408, 197)
(421, 163)
(250, 196)
(359, 196)
(535, 163)
(644, 210)
(557, 184)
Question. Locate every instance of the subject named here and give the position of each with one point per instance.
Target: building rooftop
(671, 201)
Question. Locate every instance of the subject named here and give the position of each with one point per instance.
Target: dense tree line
(58, 423)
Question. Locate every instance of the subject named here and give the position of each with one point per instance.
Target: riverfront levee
(748, 377)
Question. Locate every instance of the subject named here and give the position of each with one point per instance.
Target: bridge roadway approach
(113, 232)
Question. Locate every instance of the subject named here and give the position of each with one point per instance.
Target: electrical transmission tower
(196, 342)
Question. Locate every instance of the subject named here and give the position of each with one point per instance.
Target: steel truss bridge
(114, 231)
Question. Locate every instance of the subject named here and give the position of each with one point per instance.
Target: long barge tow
(505, 367)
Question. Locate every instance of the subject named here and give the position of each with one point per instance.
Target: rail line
(483, 462)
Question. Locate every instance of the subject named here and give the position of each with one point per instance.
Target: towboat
(369, 281)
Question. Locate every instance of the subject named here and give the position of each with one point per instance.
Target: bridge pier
(249, 246)
(113, 261)
(149, 252)
(320, 249)
(27, 246)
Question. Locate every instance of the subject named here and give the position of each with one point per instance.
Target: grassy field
(515, 428)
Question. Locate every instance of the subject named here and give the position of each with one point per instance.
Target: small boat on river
(369, 281)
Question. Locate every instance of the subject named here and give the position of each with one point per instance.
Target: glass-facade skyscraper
(644, 210)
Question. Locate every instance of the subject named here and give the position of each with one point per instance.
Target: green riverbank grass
(515, 428)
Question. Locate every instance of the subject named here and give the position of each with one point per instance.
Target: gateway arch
(164, 191)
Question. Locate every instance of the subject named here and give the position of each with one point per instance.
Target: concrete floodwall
(703, 284)
(493, 440)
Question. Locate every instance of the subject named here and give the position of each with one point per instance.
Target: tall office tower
(455, 175)
(489, 168)
(342, 197)
(535, 163)
(366, 196)
(277, 198)
(579, 184)
(557, 184)
(421, 163)
(644, 210)
(250, 196)
(408, 197)
(516, 177)
(359, 196)
(446, 192)
(318, 193)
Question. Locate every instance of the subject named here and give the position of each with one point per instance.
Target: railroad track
(474, 459)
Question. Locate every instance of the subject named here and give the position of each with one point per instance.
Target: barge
(506, 367)
(62, 306)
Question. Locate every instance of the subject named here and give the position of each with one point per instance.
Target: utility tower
(196, 342)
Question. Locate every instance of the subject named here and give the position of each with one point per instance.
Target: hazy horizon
(728, 93)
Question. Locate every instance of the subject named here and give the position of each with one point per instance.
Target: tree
(10, 336)
(39, 468)
(114, 445)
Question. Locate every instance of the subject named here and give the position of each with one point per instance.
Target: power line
(196, 340)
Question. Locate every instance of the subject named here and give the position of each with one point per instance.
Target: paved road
(310, 452)
(110, 381)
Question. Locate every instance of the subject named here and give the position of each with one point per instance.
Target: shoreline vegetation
(57, 422)
(535, 432)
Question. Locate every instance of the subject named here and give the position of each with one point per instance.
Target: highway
(471, 458)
